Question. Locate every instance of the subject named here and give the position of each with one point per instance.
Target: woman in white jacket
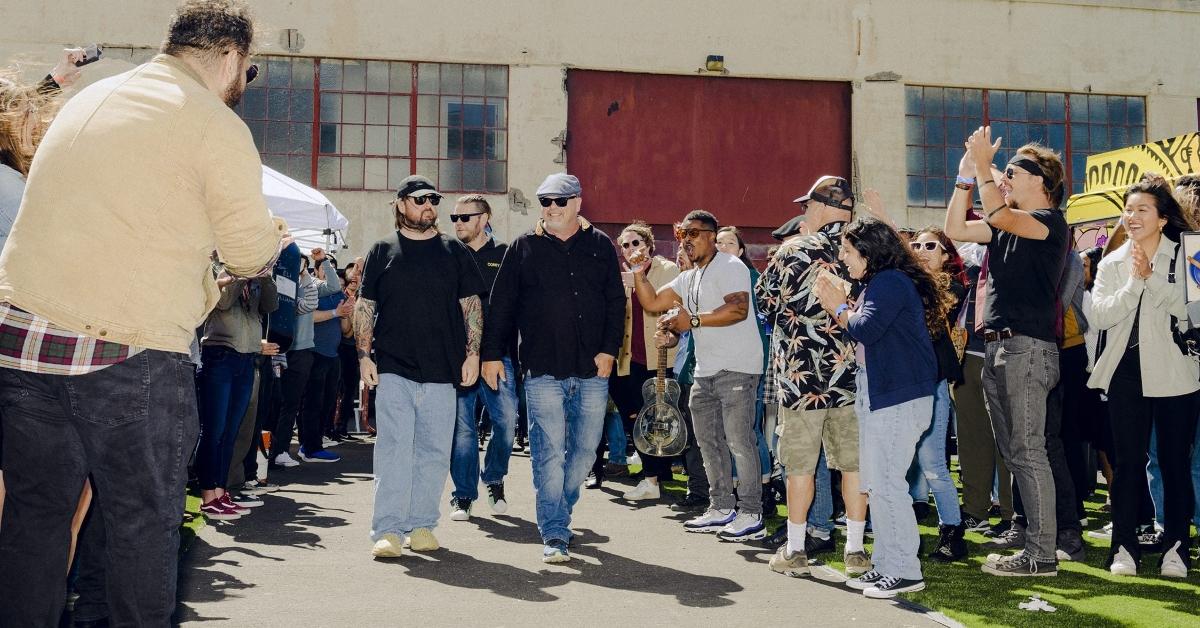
(1148, 378)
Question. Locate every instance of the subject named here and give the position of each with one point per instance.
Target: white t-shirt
(737, 347)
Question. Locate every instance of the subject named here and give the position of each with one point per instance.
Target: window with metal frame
(352, 124)
(939, 119)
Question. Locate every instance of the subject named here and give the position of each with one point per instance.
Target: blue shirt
(890, 325)
(327, 335)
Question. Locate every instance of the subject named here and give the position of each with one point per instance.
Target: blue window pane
(1099, 138)
(954, 131)
(1078, 171)
(1056, 108)
(255, 104)
(302, 105)
(473, 144)
(277, 105)
(1017, 135)
(331, 74)
(914, 160)
(935, 132)
(914, 130)
(1079, 108)
(331, 107)
(912, 100)
(472, 115)
(935, 165)
(454, 114)
(1098, 108)
(1079, 137)
(1036, 106)
(1000, 129)
(1016, 105)
(1116, 110)
(953, 156)
(933, 101)
(973, 103)
(1136, 108)
(1057, 137)
(916, 191)
(279, 72)
(1137, 135)
(1119, 136)
(997, 105)
(953, 102)
(329, 138)
(935, 192)
(1037, 133)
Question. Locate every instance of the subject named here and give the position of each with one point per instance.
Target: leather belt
(992, 336)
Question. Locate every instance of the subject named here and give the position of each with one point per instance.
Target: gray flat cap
(559, 185)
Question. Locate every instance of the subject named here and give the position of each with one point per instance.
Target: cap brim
(802, 199)
(425, 192)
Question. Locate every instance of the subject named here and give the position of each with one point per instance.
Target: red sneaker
(217, 511)
(229, 505)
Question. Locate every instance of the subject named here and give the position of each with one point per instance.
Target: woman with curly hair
(901, 308)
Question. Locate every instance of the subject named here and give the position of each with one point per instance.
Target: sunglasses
(433, 199)
(632, 243)
(1010, 173)
(689, 234)
(932, 245)
(464, 217)
(561, 202)
(251, 73)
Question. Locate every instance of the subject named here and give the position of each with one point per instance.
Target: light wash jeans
(929, 470)
(723, 417)
(415, 424)
(887, 441)
(502, 408)
(566, 418)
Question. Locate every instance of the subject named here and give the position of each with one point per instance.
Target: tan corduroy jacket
(138, 179)
(661, 272)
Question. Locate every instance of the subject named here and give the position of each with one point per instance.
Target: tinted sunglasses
(631, 243)
(433, 199)
(932, 245)
(464, 217)
(561, 202)
(251, 73)
(688, 234)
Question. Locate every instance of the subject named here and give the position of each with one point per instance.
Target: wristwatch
(695, 321)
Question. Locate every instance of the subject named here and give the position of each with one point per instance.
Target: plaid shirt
(31, 343)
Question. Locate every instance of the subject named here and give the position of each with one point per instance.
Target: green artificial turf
(1085, 594)
(192, 522)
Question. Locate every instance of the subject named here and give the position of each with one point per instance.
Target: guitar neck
(661, 383)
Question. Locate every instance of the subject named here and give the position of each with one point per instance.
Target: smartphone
(91, 54)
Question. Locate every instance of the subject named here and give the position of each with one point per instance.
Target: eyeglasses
(251, 73)
(632, 243)
(561, 202)
(931, 245)
(689, 234)
(433, 199)
(464, 217)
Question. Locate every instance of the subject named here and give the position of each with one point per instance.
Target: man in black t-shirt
(419, 309)
(1027, 241)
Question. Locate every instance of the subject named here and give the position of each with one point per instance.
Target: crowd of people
(838, 380)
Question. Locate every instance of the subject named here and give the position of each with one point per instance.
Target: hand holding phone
(91, 54)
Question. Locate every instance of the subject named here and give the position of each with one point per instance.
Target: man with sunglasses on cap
(712, 302)
(1027, 242)
(815, 375)
(470, 219)
(419, 309)
(560, 287)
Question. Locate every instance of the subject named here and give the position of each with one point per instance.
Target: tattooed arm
(472, 309)
(364, 334)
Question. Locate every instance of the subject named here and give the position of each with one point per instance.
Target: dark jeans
(979, 460)
(693, 461)
(1062, 436)
(348, 355)
(132, 426)
(270, 398)
(1174, 420)
(320, 398)
(292, 386)
(89, 567)
(626, 393)
(249, 437)
(226, 381)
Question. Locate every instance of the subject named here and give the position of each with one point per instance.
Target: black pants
(266, 415)
(348, 355)
(320, 397)
(693, 462)
(292, 387)
(626, 393)
(1061, 437)
(1131, 416)
(132, 426)
(1077, 399)
(92, 604)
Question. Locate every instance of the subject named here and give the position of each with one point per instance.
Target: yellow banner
(1109, 174)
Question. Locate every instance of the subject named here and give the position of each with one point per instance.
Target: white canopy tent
(313, 220)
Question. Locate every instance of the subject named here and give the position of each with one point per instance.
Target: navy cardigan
(891, 326)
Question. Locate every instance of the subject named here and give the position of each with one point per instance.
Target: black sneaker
(496, 498)
(350, 438)
(695, 503)
(998, 529)
(1012, 538)
(889, 587)
(460, 509)
(1149, 538)
(922, 510)
(1021, 564)
(593, 481)
(973, 524)
(950, 545)
(815, 544)
(1070, 546)
(778, 538)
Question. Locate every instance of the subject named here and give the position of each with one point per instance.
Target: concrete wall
(1062, 45)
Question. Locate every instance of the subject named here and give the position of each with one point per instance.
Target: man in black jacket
(560, 287)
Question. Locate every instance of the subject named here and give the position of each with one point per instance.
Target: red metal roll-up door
(656, 146)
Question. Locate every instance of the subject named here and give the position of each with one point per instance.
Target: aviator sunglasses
(690, 234)
(561, 202)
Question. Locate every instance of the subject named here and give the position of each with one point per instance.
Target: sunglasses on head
(251, 73)
(931, 245)
(688, 234)
(464, 217)
(561, 202)
(433, 199)
(632, 243)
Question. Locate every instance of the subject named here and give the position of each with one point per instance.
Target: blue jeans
(226, 381)
(887, 442)
(1196, 476)
(415, 424)
(502, 408)
(566, 418)
(820, 513)
(614, 431)
(1154, 477)
(929, 470)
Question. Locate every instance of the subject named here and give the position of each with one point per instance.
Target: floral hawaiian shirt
(812, 358)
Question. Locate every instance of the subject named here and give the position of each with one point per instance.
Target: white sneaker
(285, 460)
(1172, 565)
(327, 442)
(644, 490)
(744, 527)
(634, 459)
(388, 547)
(711, 521)
(1123, 563)
(1102, 533)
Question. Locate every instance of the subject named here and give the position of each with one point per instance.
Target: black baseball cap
(829, 190)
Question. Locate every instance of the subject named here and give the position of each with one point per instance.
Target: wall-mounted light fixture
(713, 64)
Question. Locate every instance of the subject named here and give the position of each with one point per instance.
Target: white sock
(854, 535)
(795, 536)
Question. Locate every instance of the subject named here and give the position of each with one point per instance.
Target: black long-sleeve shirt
(565, 298)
